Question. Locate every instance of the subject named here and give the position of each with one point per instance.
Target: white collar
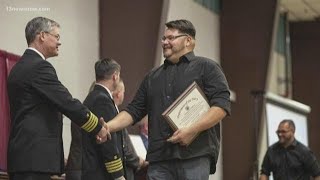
(117, 108)
(34, 49)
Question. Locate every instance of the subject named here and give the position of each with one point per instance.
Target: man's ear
(117, 95)
(114, 76)
(42, 35)
(189, 41)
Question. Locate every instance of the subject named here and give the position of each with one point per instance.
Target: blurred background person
(133, 162)
(288, 159)
(143, 131)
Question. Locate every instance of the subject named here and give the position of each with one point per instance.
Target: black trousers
(29, 176)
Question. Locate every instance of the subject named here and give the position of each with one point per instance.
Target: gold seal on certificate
(187, 108)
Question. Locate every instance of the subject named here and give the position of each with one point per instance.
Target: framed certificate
(188, 108)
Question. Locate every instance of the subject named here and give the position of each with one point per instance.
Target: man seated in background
(288, 159)
(133, 162)
(143, 128)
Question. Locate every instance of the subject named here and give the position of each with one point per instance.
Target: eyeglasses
(171, 37)
(57, 36)
(282, 131)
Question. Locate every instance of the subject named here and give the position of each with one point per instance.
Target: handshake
(104, 134)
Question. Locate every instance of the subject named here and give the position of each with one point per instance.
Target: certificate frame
(187, 109)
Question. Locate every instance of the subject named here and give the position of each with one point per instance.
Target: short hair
(290, 122)
(184, 26)
(38, 24)
(105, 68)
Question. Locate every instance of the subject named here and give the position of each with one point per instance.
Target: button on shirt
(295, 162)
(158, 91)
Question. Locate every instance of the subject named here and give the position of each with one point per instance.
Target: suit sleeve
(47, 84)
(110, 151)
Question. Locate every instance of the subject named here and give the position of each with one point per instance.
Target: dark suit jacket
(131, 158)
(88, 160)
(36, 99)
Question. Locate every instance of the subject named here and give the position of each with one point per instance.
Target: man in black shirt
(288, 159)
(168, 154)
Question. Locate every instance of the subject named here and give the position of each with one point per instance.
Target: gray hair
(38, 24)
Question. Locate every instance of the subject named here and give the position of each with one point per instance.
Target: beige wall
(277, 75)
(79, 38)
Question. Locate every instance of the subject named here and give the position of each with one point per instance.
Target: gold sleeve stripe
(91, 123)
(117, 166)
(115, 169)
(111, 163)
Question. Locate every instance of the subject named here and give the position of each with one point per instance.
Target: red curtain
(7, 61)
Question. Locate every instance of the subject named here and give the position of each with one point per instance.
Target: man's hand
(142, 163)
(183, 136)
(104, 133)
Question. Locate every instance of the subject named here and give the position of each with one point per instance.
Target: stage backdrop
(7, 61)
